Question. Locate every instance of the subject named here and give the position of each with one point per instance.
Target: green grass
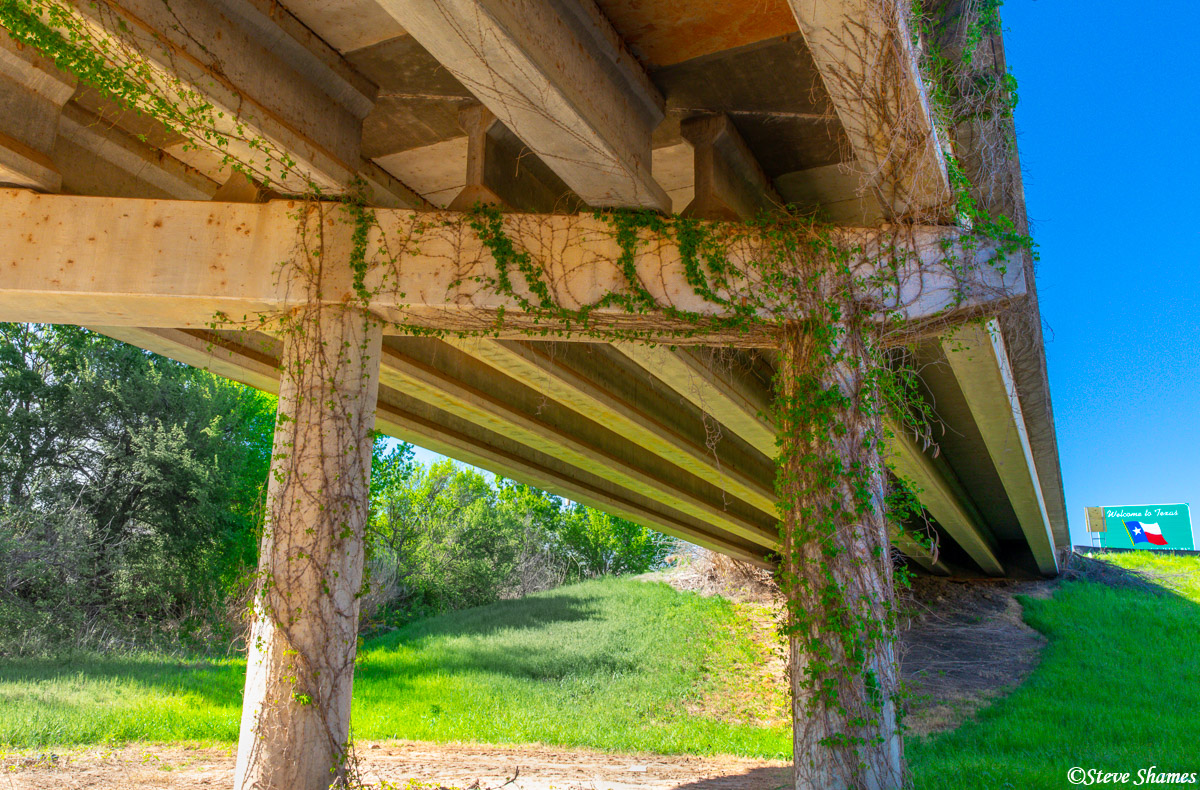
(1118, 689)
(618, 664)
(611, 664)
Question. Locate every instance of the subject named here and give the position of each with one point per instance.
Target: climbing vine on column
(838, 306)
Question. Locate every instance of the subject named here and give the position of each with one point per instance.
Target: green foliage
(595, 543)
(445, 537)
(789, 278)
(131, 488)
(131, 501)
(633, 656)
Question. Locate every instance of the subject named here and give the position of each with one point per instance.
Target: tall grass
(1118, 689)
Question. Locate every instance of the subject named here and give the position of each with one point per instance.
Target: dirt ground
(402, 764)
(965, 645)
(964, 642)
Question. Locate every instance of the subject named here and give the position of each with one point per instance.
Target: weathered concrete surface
(300, 667)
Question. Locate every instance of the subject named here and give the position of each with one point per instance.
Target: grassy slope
(617, 665)
(1117, 689)
(613, 664)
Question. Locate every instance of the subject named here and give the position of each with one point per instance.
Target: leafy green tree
(600, 544)
(131, 488)
(130, 505)
(447, 537)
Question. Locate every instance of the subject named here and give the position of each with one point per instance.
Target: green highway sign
(1154, 527)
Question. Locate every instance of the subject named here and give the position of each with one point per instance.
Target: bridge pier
(837, 571)
(300, 667)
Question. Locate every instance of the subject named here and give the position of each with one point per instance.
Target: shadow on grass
(560, 606)
(530, 638)
(218, 684)
(1116, 689)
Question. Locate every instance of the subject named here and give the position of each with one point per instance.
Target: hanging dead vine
(839, 306)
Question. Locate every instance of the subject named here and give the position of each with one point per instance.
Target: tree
(599, 544)
(447, 538)
(131, 487)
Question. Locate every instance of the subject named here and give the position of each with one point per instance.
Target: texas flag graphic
(1141, 532)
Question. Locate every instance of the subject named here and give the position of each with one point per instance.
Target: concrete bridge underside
(711, 109)
(715, 110)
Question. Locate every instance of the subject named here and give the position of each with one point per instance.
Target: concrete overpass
(714, 110)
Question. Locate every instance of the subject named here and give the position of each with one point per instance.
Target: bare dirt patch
(404, 765)
(964, 642)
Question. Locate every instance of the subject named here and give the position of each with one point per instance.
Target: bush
(447, 538)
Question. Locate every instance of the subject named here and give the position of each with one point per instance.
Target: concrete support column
(300, 668)
(837, 571)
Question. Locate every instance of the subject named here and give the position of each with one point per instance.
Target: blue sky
(1108, 130)
(1109, 135)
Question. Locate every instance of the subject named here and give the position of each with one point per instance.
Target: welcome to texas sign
(1148, 527)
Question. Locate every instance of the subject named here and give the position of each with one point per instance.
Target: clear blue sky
(1108, 129)
(1109, 135)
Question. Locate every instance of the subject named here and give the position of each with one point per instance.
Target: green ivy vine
(838, 381)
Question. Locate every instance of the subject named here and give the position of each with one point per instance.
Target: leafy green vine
(815, 294)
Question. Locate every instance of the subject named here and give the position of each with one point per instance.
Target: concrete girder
(252, 359)
(450, 380)
(443, 433)
(560, 78)
(32, 94)
(864, 52)
(744, 408)
(97, 157)
(604, 387)
(184, 263)
(728, 182)
(267, 78)
(501, 171)
(980, 363)
(944, 497)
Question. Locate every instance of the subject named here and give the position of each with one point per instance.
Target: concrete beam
(944, 497)
(557, 75)
(477, 120)
(729, 184)
(32, 94)
(252, 358)
(185, 263)
(268, 79)
(235, 360)
(743, 407)
(98, 158)
(450, 380)
(980, 363)
(435, 430)
(608, 389)
(502, 172)
(737, 405)
(864, 52)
